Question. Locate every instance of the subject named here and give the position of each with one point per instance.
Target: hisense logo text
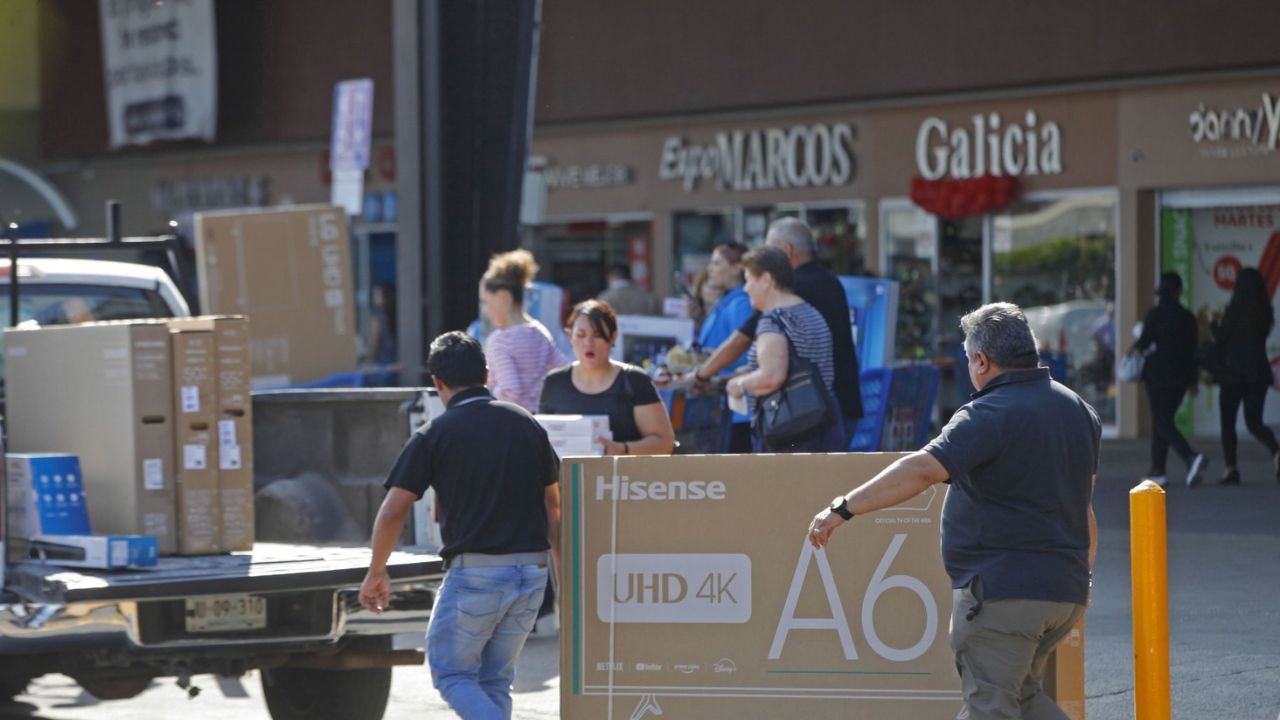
(624, 488)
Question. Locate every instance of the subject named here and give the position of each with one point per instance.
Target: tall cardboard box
(195, 415)
(103, 391)
(290, 272)
(232, 429)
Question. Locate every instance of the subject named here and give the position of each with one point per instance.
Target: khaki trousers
(1001, 654)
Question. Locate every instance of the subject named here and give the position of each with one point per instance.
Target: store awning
(26, 198)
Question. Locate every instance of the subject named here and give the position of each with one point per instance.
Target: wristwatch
(840, 506)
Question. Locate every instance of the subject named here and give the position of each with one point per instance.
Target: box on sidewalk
(45, 496)
(195, 413)
(290, 272)
(231, 433)
(103, 391)
(103, 552)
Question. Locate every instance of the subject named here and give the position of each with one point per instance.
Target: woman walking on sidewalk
(1169, 372)
(1240, 340)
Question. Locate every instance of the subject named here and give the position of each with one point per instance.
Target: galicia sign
(765, 159)
(989, 147)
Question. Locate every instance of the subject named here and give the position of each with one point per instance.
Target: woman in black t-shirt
(597, 385)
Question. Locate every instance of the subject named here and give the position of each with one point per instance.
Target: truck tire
(303, 693)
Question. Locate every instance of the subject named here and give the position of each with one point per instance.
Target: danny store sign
(1236, 132)
(989, 144)
(764, 159)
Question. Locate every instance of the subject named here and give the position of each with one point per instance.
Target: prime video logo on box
(624, 488)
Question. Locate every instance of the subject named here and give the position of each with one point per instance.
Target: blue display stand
(897, 405)
(873, 312)
(875, 385)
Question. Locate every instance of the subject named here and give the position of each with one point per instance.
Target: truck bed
(269, 567)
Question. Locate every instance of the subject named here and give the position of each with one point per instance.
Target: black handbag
(800, 408)
(1210, 357)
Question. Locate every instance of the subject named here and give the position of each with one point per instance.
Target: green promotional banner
(1177, 242)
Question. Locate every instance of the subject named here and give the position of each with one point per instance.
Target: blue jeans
(478, 626)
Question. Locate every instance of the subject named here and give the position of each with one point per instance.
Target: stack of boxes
(154, 409)
(575, 434)
(230, 417)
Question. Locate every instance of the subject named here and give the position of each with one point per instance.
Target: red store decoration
(954, 199)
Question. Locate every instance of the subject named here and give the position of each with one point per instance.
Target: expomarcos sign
(989, 145)
(763, 159)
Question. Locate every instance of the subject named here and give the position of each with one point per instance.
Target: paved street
(1224, 566)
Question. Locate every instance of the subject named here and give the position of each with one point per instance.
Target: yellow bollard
(1150, 559)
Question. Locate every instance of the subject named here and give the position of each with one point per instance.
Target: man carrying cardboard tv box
(1018, 531)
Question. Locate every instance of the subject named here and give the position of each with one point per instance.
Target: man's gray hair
(795, 233)
(1001, 331)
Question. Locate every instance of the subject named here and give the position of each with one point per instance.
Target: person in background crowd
(597, 385)
(725, 271)
(520, 349)
(786, 323)
(380, 345)
(1019, 545)
(704, 297)
(624, 297)
(1103, 335)
(1240, 339)
(1169, 372)
(818, 287)
(495, 474)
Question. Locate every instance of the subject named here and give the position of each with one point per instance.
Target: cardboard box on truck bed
(102, 391)
(232, 425)
(290, 272)
(689, 589)
(195, 415)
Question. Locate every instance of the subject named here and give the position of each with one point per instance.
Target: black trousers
(1165, 400)
(1254, 396)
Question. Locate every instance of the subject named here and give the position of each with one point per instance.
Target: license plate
(223, 613)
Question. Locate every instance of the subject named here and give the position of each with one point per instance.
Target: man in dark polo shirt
(820, 288)
(494, 473)
(1018, 533)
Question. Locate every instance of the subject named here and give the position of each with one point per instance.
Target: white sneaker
(1161, 480)
(1193, 472)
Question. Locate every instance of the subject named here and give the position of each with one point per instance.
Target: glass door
(1056, 259)
(910, 257)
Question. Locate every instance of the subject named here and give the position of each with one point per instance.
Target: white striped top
(519, 357)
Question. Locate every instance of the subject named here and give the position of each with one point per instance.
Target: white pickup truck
(290, 607)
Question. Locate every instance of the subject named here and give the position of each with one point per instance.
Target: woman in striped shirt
(786, 321)
(520, 350)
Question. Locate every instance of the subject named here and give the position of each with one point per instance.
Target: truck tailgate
(269, 567)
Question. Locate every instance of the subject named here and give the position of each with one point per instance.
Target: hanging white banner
(160, 68)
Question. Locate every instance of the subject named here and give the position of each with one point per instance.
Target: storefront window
(841, 238)
(838, 231)
(577, 255)
(910, 244)
(696, 235)
(1207, 237)
(1056, 259)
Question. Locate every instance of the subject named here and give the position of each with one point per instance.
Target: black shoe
(1230, 477)
(1195, 468)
